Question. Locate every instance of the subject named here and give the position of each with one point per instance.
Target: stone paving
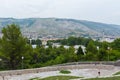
(86, 71)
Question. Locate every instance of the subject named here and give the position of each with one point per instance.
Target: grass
(34, 79)
(58, 78)
(118, 73)
(74, 77)
(109, 78)
(65, 72)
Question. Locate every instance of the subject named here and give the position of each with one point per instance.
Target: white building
(56, 45)
(108, 39)
(66, 47)
(44, 42)
(34, 46)
(28, 34)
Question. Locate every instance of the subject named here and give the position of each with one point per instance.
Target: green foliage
(80, 51)
(102, 55)
(65, 72)
(37, 42)
(80, 54)
(115, 44)
(13, 46)
(70, 56)
(52, 55)
(90, 57)
(91, 47)
(105, 45)
(71, 41)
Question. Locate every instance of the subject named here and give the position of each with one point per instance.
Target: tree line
(16, 52)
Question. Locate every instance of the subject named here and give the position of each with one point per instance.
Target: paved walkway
(86, 73)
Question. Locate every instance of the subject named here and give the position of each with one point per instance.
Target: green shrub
(65, 72)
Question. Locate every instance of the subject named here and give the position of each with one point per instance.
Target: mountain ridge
(62, 27)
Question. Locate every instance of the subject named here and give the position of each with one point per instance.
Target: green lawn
(109, 78)
(118, 73)
(58, 78)
(73, 77)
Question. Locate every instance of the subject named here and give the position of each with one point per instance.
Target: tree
(91, 47)
(80, 51)
(71, 41)
(103, 55)
(116, 44)
(71, 56)
(38, 42)
(105, 45)
(13, 46)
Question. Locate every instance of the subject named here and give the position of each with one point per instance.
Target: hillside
(63, 27)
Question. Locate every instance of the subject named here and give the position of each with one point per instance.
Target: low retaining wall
(117, 63)
(55, 68)
(92, 62)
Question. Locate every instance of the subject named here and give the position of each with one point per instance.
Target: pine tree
(80, 51)
(13, 46)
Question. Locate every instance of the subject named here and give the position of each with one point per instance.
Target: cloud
(95, 10)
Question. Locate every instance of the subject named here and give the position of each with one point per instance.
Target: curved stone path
(86, 71)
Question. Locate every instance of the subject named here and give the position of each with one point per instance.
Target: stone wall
(54, 68)
(117, 63)
(92, 62)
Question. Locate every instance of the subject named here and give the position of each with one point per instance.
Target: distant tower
(103, 35)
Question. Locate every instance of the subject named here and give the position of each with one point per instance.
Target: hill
(63, 27)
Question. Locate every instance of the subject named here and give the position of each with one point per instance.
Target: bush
(65, 72)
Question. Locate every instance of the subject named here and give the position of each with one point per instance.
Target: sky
(106, 11)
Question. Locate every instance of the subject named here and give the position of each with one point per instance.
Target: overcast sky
(107, 11)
